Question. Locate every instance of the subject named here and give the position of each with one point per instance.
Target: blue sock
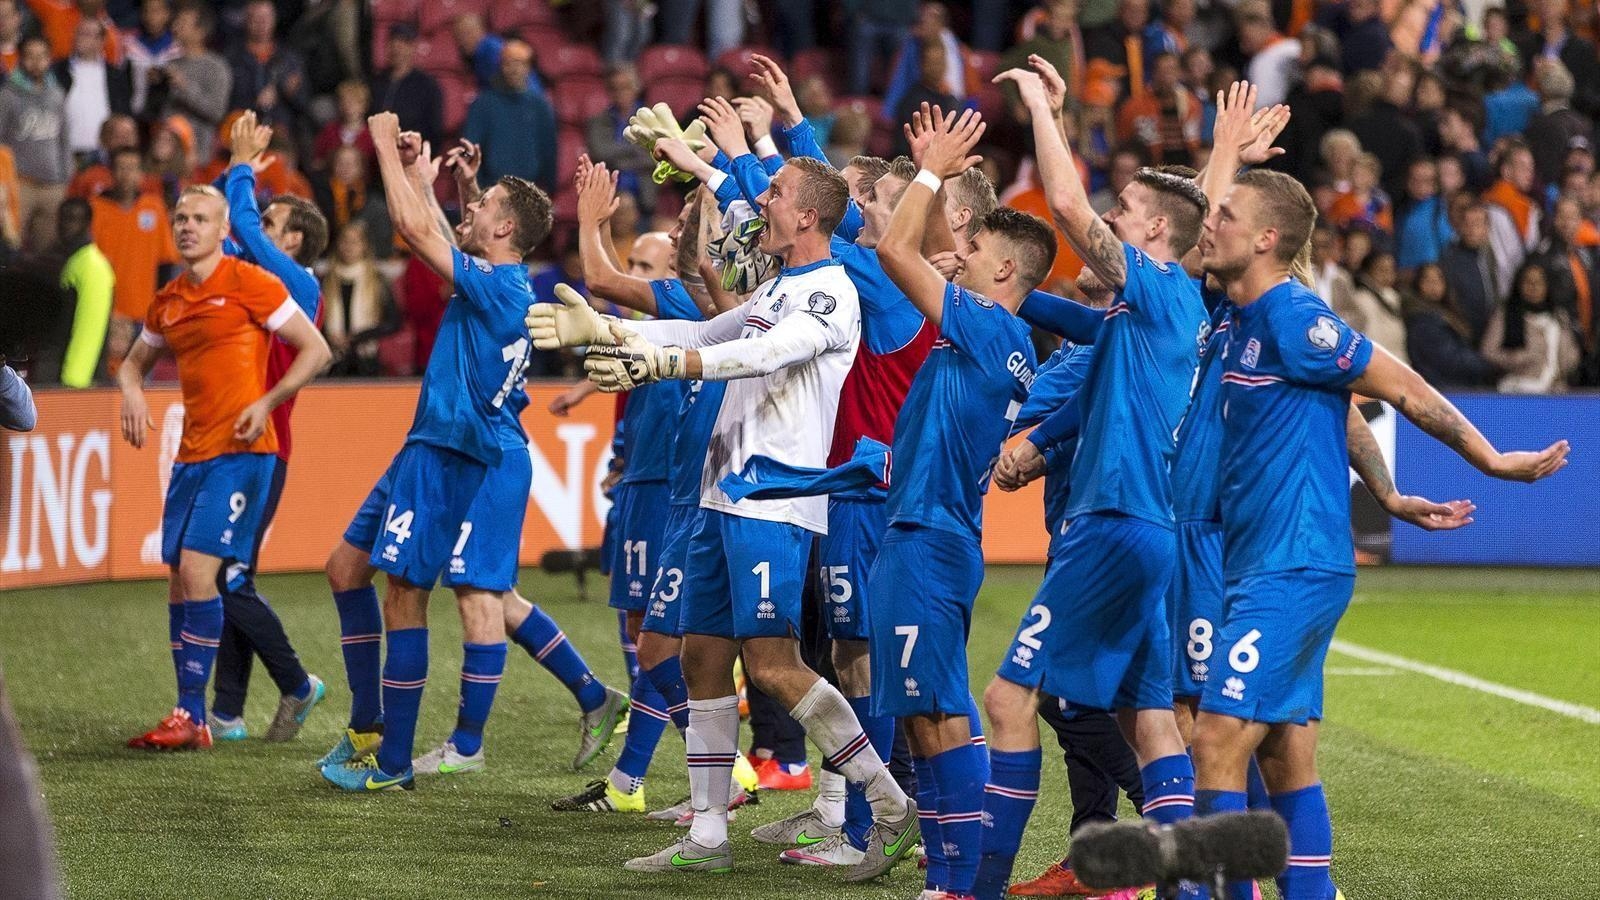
(937, 874)
(481, 668)
(303, 691)
(960, 775)
(1256, 787)
(201, 635)
(405, 674)
(1168, 789)
(667, 677)
(880, 733)
(1209, 802)
(645, 723)
(630, 650)
(1008, 800)
(175, 639)
(548, 645)
(361, 639)
(1310, 844)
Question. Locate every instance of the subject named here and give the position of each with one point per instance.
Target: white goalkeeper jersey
(785, 354)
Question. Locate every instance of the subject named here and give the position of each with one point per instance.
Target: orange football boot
(175, 733)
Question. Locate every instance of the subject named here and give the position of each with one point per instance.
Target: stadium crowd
(1450, 146)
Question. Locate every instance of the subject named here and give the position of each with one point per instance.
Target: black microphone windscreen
(1116, 855)
(1243, 846)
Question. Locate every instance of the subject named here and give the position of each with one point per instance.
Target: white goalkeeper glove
(632, 361)
(570, 323)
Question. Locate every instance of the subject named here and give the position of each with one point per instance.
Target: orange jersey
(58, 21)
(218, 331)
(138, 240)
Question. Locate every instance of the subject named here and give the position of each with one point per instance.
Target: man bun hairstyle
(1177, 196)
(530, 210)
(823, 189)
(1283, 204)
(305, 218)
(1028, 237)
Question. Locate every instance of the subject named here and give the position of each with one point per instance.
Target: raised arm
(943, 153)
(463, 161)
(1090, 237)
(1387, 378)
(597, 200)
(409, 212)
(1366, 457)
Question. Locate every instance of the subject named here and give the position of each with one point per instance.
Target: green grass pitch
(1438, 790)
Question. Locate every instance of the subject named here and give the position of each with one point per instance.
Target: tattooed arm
(1387, 378)
(1366, 457)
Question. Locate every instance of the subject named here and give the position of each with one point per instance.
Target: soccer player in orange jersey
(216, 319)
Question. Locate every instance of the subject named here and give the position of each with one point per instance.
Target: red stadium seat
(437, 55)
(816, 61)
(569, 60)
(738, 62)
(388, 12)
(984, 64)
(436, 16)
(397, 353)
(577, 99)
(991, 101)
(380, 48)
(540, 35)
(682, 94)
(570, 143)
(515, 15)
(672, 61)
(458, 92)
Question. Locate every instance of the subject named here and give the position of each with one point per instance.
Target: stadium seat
(515, 15)
(540, 35)
(570, 143)
(436, 16)
(577, 98)
(437, 55)
(868, 105)
(984, 64)
(458, 92)
(738, 62)
(388, 12)
(568, 60)
(682, 94)
(671, 61)
(816, 61)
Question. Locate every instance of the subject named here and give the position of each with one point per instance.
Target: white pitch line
(1450, 676)
(1360, 670)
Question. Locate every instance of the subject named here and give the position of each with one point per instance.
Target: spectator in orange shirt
(117, 133)
(131, 229)
(171, 158)
(216, 319)
(10, 209)
(1165, 118)
(10, 34)
(1365, 204)
(58, 22)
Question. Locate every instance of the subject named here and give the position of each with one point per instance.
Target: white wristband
(765, 147)
(932, 181)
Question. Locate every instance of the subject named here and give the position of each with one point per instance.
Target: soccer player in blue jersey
(1097, 634)
(1289, 559)
(285, 240)
(417, 522)
(948, 437)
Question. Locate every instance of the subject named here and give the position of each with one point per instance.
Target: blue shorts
(664, 615)
(412, 520)
(746, 577)
(1097, 634)
(217, 507)
(486, 553)
(845, 555)
(641, 512)
(1194, 603)
(920, 612)
(1272, 643)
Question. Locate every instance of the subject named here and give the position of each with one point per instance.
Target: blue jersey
(1196, 480)
(959, 413)
(889, 320)
(1285, 467)
(250, 243)
(1060, 378)
(650, 421)
(1136, 391)
(702, 400)
(478, 361)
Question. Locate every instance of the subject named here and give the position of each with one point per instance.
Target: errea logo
(1023, 656)
(766, 610)
(1233, 688)
(911, 688)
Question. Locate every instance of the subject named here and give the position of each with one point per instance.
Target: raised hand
(774, 85)
(425, 166)
(1265, 126)
(947, 152)
(925, 122)
(597, 195)
(1055, 87)
(384, 128)
(1235, 109)
(722, 123)
(249, 139)
(756, 114)
(675, 151)
(463, 160)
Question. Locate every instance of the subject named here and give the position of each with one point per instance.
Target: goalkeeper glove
(570, 323)
(632, 361)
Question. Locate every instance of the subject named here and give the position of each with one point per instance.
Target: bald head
(651, 256)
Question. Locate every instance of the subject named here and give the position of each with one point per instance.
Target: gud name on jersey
(1019, 367)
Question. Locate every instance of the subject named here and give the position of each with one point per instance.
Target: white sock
(836, 731)
(624, 782)
(829, 805)
(710, 743)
